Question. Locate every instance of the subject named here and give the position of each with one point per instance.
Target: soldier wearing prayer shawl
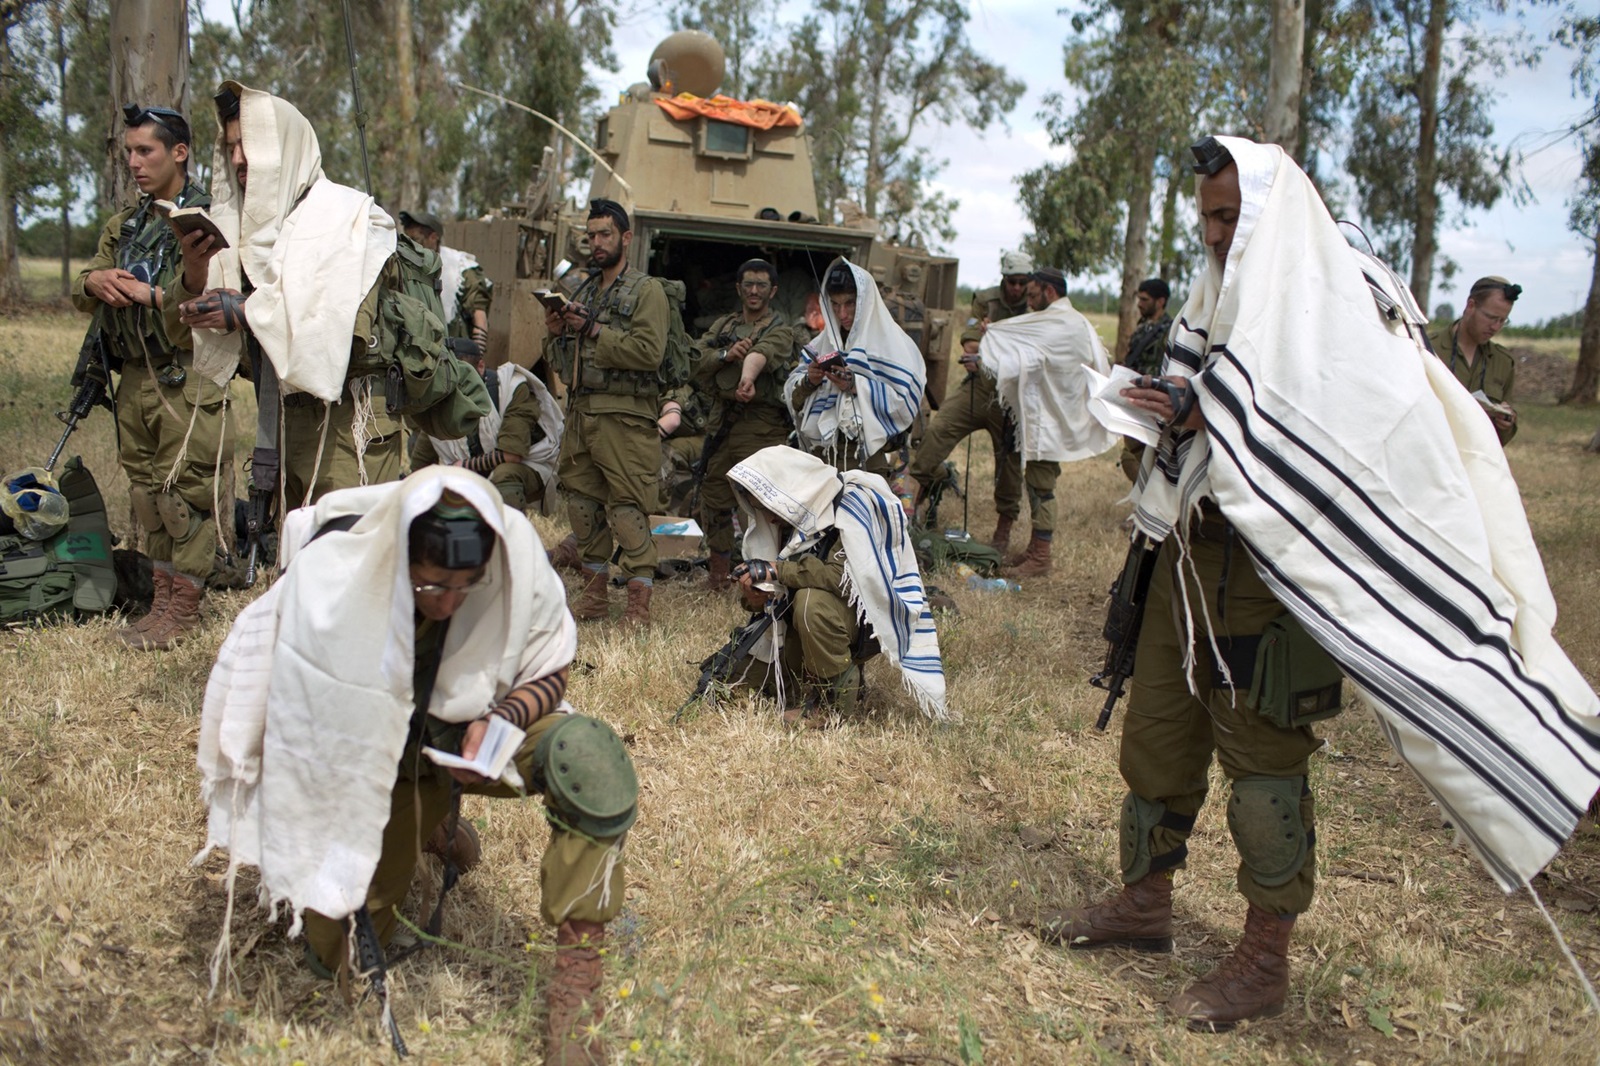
(413, 618)
(1310, 525)
(858, 386)
(830, 556)
(296, 291)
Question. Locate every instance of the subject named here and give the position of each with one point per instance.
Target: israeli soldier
(1467, 346)
(464, 289)
(742, 361)
(607, 345)
(173, 432)
(1147, 349)
(1007, 299)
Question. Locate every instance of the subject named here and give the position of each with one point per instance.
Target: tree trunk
(1314, 15)
(58, 17)
(10, 270)
(405, 84)
(1136, 250)
(1586, 377)
(1281, 123)
(1424, 241)
(149, 67)
(1168, 252)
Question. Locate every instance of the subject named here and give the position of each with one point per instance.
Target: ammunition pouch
(1264, 818)
(587, 777)
(1294, 681)
(618, 382)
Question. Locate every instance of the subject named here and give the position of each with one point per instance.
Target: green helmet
(589, 783)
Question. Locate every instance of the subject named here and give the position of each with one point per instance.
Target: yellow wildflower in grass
(873, 1038)
(877, 999)
(635, 1047)
(424, 1026)
(624, 991)
(283, 1042)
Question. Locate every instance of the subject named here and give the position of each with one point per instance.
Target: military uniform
(164, 410)
(1147, 350)
(990, 304)
(1493, 371)
(735, 431)
(1170, 734)
(680, 449)
(519, 484)
(611, 451)
(476, 294)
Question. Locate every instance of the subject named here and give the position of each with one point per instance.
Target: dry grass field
(857, 894)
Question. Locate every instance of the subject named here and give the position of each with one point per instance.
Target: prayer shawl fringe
(307, 708)
(881, 580)
(1376, 502)
(889, 377)
(1037, 362)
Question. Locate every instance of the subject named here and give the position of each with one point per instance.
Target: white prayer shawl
(880, 568)
(307, 708)
(312, 249)
(1037, 362)
(1377, 504)
(542, 457)
(890, 376)
(453, 263)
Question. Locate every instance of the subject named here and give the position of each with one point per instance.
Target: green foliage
(1582, 33)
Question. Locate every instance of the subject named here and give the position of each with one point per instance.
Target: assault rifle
(258, 512)
(92, 380)
(718, 667)
(369, 952)
(1124, 616)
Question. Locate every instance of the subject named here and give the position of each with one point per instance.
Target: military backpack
(69, 575)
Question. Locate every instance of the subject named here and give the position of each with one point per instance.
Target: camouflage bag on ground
(424, 383)
(70, 575)
(935, 551)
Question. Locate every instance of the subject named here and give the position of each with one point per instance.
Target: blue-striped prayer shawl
(881, 579)
(1376, 502)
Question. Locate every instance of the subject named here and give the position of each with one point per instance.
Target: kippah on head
(1052, 277)
(1493, 282)
(612, 210)
(840, 279)
(755, 266)
(1155, 288)
(1210, 156)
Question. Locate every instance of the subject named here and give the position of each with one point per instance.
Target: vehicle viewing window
(724, 140)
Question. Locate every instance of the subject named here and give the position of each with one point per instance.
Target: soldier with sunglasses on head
(1487, 369)
(170, 420)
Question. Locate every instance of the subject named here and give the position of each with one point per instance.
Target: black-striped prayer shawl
(1376, 502)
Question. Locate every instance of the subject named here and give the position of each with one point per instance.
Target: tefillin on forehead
(840, 279)
(1210, 156)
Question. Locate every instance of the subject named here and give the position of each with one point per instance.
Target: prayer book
(185, 220)
(1115, 411)
(499, 744)
(552, 300)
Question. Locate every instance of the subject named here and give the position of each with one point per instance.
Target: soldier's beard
(604, 260)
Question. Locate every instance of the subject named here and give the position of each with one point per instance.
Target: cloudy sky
(1528, 243)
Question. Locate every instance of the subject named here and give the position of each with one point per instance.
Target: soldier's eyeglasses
(755, 286)
(172, 121)
(481, 581)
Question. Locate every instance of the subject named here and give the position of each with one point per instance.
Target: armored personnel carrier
(709, 184)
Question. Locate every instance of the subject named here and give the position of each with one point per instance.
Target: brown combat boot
(1001, 540)
(1251, 983)
(133, 633)
(463, 850)
(1035, 563)
(637, 616)
(565, 555)
(573, 999)
(182, 616)
(1138, 917)
(593, 603)
(718, 568)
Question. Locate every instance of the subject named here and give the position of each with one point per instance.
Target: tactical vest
(71, 574)
(147, 248)
(614, 307)
(725, 379)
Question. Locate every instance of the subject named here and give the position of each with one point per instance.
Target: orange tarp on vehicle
(761, 114)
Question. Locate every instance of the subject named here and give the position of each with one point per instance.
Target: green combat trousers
(570, 872)
(756, 428)
(610, 470)
(1170, 734)
(338, 469)
(156, 422)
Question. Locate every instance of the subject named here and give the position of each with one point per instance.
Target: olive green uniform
(611, 450)
(822, 627)
(1170, 734)
(1147, 350)
(476, 294)
(735, 431)
(990, 304)
(1494, 370)
(680, 449)
(163, 408)
(519, 485)
(572, 870)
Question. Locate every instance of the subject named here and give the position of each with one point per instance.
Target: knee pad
(630, 527)
(177, 517)
(1264, 818)
(587, 778)
(1140, 817)
(144, 507)
(585, 513)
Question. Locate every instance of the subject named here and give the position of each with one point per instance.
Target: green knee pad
(177, 517)
(587, 778)
(585, 513)
(630, 527)
(1139, 817)
(143, 502)
(1264, 818)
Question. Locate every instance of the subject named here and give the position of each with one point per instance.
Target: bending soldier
(464, 291)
